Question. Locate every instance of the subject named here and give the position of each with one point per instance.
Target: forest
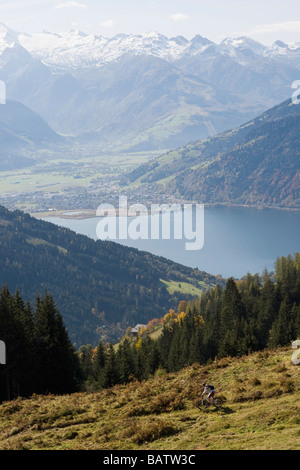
(100, 287)
(247, 315)
(39, 355)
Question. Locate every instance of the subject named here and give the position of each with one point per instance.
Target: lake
(236, 240)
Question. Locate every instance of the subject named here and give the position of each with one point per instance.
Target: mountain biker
(210, 389)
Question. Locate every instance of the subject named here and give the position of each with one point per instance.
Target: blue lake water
(236, 240)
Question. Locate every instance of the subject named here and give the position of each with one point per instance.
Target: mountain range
(75, 49)
(256, 164)
(144, 92)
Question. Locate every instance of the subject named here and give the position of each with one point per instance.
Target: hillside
(261, 411)
(23, 134)
(255, 164)
(84, 276)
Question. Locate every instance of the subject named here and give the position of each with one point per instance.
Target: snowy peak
(198, 45)
(7, 33)
(242, 49)
(8, 38)
(75, 49)
(281, 48)
(241, 43)
(180, 40)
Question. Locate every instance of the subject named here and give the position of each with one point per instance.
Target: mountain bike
(205, 403)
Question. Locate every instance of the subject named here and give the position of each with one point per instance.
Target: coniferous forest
(39, 355)
(97, 285)
(248, 315)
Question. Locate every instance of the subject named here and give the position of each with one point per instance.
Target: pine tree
(280, 334)
(268, 306)
(231, 319)
(85, 354)
(99, 365)
(112, 371)
(57, 366)
(126, 361)
(153, 358)
(23, 318)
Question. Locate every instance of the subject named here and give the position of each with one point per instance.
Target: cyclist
(210, 389)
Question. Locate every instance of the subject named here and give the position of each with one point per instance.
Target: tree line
(245, 316)
(39, 355)
(249, 315)
(95, 284)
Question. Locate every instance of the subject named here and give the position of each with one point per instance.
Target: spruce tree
(280, 334)
(57, 366)
(112, 371)
(231, 319)
(99, 365)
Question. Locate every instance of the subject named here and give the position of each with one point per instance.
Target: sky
(263, 20)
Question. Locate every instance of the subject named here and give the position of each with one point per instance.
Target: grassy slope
(185, 287)
(262, 411)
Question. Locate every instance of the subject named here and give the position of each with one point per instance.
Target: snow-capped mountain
(75, 49)
(146, 88)
(242, 49)
(280, 49)
(247, 51)
(8, 38)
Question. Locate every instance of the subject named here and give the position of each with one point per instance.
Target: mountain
(147, 91)
(255, 164)
(243, 49)
(22, 134)
(145, 101)
(100, 288)
(75, 49)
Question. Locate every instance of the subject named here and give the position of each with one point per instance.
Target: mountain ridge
(254, 164)
(99, 49)
(184, 90)
(23, 135)
(79, 84)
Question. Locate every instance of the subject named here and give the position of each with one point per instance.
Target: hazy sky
(263, 20)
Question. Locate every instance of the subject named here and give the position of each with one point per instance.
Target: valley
(84, 275)
(77, 178)
(85, 119)
(109, 336)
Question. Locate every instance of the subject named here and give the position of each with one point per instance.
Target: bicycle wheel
(203, 404)
(218, 402)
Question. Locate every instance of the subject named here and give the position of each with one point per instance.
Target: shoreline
(77, 214)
